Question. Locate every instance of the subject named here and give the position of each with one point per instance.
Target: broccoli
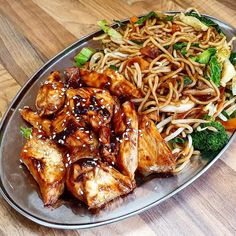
(210, 142)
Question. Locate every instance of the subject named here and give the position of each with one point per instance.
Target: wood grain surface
(33, 31)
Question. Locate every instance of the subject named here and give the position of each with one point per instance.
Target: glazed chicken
(94, 105)
(115, 82)
(35, 120)
(44, 159)
(96, 183)
(87, 133)
(127, 159)
(154, 156)
(51, 95)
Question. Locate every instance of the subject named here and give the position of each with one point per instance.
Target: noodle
(162, 80)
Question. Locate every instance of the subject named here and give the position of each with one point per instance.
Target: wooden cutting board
(33, 31)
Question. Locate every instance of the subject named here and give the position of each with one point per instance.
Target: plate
(20, 190)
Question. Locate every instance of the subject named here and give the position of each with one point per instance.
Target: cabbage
(193, 21)
(228, 72)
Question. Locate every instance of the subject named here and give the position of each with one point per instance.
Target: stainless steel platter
(20, 190)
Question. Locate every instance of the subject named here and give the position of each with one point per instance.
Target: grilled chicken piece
(154, 156)
(127, 159)
(82, 143)
(51, 95)
(95, 106)
(45, 162)
(122, 87)
(73, 77)
(115, 82)
(35, 120)
(108, 145)
(96, 183)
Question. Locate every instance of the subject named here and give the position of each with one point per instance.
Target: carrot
(133, 19)
(229, 124)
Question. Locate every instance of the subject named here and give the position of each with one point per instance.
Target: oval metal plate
(20, 190)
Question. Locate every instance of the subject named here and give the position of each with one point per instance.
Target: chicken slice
(108, 145)
(121, 87)
(82, 143)
(94, 105)
(45, 162)
(154, 156)
(35, 120)
(51, 95)
(96, 183)
(127, 159)
(72, 75)
(115, 82)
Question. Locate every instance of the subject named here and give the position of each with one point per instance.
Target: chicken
(51, 95)
(127, 159)
(95, 106)
(44, 160)
(96, 183)
(72, 75)
(35, 120)
(115, 82)
(154, 156)
(108, 145)
(82, 143)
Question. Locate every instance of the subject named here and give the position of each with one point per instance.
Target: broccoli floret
(205, 56)
(208, 141)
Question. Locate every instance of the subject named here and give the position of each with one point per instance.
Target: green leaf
(207, 117)
(141, 20)
(205, 21)
(183, 51)
(169, 18)
(215, 71)
(26, 132)
(233, 58)
(205, 56)
(113, 67)
(187, 80)
(179, 45)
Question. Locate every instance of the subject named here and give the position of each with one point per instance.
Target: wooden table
(33, 31)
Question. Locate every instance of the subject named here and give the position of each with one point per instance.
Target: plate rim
(11, 109)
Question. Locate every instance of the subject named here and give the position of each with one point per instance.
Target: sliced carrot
(133, 19)
(229, 124)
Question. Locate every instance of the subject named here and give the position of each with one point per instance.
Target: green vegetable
(83, 56)
(233, 115)
(207, 117)
(152, 14)
(225, 114)
(136, 41)
(141, 20)
(103, 24)
(119, 23)
(183, 51)
(187, 80)
(180, 45)
(205, 56)
(215, 71)
(233, 58)
(26, 132)
(173, 143)
(206, 21)
(208, 141)
(113, 67)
